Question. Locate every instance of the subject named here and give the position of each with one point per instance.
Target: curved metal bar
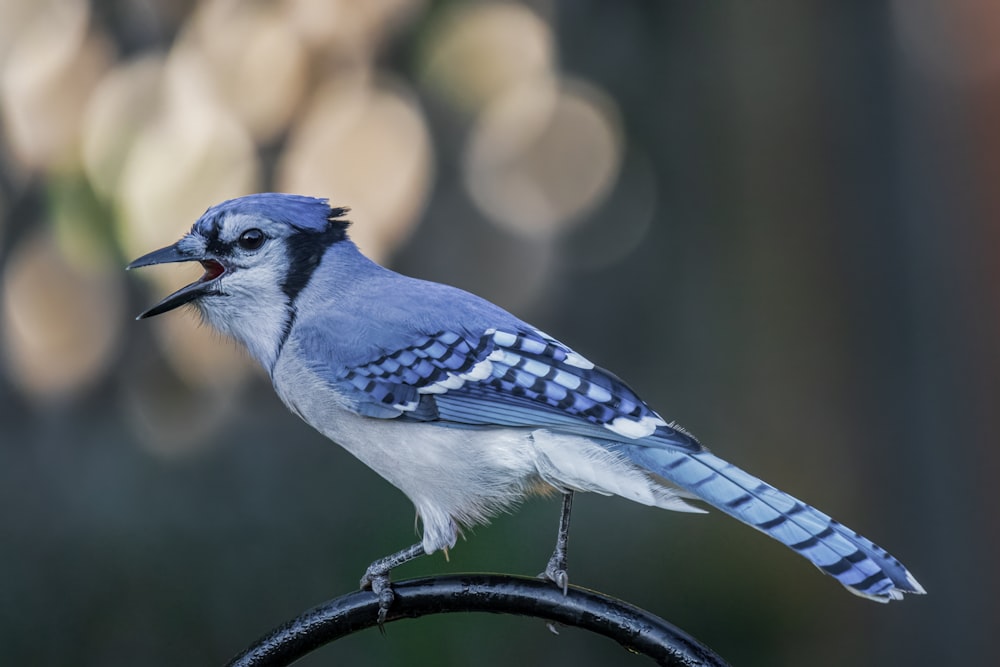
(635, 629)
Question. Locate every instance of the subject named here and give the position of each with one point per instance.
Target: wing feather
(517, 377)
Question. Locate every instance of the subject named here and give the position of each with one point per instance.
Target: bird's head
(258, 252)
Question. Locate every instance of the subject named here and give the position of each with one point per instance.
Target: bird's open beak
(188, 293)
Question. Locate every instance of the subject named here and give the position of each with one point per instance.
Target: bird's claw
(561, 579)
(556, 572)
(376, 578)
(379, 584)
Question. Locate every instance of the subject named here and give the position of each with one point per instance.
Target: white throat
(257, 315)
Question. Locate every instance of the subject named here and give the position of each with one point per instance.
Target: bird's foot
(378, 582)
(376, 579)
(556, 572)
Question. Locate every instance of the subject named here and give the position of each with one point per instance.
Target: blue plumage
(307, 214)
(458, 403)
(862, 566)
(520, 378)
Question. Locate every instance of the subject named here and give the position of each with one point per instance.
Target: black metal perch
(633, 628)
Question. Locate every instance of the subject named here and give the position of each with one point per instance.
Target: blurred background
(777, 221)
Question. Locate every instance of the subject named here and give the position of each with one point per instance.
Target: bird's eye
(251, 239)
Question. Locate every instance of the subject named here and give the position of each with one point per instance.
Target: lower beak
(186, 294)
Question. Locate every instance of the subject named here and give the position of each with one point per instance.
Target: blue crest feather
(310, 214)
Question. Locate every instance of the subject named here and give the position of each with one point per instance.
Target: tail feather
(860, 565)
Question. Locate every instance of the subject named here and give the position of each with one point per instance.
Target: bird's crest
(308, 214)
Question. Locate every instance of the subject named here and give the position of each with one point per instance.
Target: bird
(458, 403)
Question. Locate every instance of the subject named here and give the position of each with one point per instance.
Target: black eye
(251, 239)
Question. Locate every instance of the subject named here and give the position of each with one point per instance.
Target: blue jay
(459, 404)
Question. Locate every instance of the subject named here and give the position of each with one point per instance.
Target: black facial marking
(213, 244)
(305, 250)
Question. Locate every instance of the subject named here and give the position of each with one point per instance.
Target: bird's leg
(377, 577)
(555, 571)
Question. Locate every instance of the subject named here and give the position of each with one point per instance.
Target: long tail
(855, 561)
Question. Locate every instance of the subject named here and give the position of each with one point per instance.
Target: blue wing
(517, 377)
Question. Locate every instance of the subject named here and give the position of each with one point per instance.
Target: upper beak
(186, 294)
(162, 256)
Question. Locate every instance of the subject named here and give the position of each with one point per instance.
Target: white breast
(453, 476)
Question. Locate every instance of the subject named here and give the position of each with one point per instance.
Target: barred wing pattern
(519, 378)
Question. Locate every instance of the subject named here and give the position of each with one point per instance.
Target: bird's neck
(261, 330)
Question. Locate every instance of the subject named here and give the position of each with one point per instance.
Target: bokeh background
(777, 221)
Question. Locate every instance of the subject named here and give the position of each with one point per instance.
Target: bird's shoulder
(352, 323)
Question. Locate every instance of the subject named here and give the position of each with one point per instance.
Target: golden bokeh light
(543, 154)
(482, 50)
(48, 72)
(347, 29)
(15, 16)
(363, 142)
(253, 60)
(124, 102)
(61, 319)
